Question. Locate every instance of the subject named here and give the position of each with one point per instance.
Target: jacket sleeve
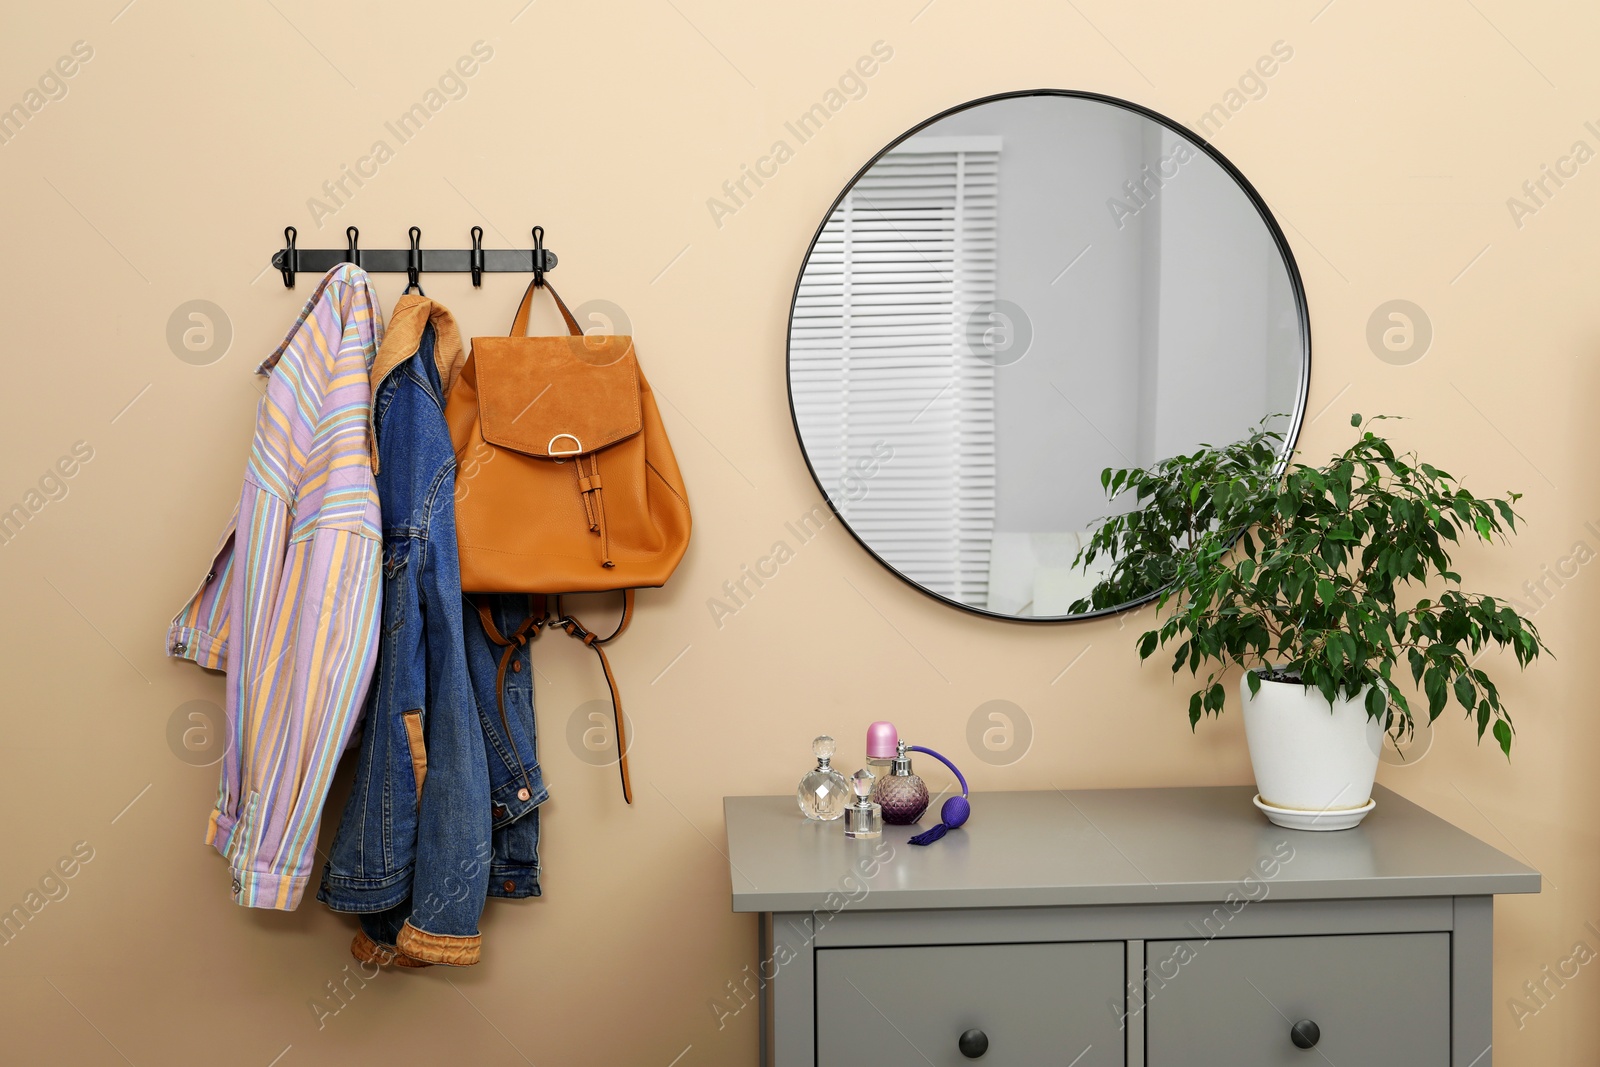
(200, 631)
(306, 664)
(453, 828)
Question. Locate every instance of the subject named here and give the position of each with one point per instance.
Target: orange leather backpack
(566, 482)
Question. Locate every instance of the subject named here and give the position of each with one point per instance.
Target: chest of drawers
(1134, 928)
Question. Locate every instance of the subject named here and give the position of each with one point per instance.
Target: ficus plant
(1329, 576)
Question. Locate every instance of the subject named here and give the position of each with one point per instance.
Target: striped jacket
(290, 607)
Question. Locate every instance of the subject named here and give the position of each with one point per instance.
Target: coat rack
(416, 260)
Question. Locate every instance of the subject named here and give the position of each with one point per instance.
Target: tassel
(956, 811)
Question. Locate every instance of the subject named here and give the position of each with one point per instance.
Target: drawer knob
(973, 1043)
(1305, 1034)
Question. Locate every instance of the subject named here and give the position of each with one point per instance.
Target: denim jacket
(442, 811)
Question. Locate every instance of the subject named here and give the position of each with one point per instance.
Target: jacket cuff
(266, 889)
(278, 890)
(439, 948)
(506, 806)
(514, 880)
(366, 950)
(364, 895)
(187, 642)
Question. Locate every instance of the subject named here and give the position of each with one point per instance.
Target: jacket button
(523, 794)
(179, 648)
(508, 885)
(211, 576)
(498, 810)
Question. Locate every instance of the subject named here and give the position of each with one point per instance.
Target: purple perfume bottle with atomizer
(901, 794)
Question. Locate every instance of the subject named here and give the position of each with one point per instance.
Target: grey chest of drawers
(1126, 927)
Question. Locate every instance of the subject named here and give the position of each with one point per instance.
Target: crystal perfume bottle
(863, 818)
(823, 792)
(901, 793)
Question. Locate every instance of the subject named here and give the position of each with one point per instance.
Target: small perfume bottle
(823, 792)
(863, 818)
(902, 794)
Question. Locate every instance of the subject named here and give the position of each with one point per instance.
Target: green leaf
(1355, 420)
(1377, 702)
(1502, 734)
(1466, 694)
(1433, 684)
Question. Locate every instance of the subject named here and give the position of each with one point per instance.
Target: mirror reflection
(1015, 297)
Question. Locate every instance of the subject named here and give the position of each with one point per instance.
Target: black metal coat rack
(416, 260)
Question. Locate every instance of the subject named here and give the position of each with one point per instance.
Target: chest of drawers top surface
(1106, 846)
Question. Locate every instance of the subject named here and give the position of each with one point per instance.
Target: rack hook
(475, 260)
(414, 263)
(289, 256)
(352, 237)
(538, 256)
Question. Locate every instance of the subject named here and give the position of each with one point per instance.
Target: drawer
(1377, 1000)
(1038, 1004)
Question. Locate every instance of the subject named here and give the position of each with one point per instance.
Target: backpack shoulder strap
(574, 628)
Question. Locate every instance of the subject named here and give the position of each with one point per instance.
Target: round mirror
(1013, 297)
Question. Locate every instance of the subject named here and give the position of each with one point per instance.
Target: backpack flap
(555, 397)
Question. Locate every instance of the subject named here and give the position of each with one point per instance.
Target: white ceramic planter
(1314, 762)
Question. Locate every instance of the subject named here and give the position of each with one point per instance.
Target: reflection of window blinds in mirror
(881, 358)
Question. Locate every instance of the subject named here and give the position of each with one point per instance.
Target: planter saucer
(1295, 819)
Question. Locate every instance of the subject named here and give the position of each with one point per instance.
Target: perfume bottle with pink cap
(883, 742)
(901, 793)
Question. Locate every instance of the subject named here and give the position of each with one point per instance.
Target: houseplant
(1319, 582)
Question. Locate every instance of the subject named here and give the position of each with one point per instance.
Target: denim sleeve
(453, 832)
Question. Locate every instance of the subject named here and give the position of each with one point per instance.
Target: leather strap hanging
(593, 640)
(521, 636)
(527, 631)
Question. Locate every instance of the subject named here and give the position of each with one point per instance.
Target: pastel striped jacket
(291, 605)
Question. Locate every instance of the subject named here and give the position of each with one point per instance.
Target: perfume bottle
(863, 818)
(902, 794)
(823, 792)
(882, 744)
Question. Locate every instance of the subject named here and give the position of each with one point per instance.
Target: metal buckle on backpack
(550, 449)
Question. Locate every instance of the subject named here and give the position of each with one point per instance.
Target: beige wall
(1387, 145)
